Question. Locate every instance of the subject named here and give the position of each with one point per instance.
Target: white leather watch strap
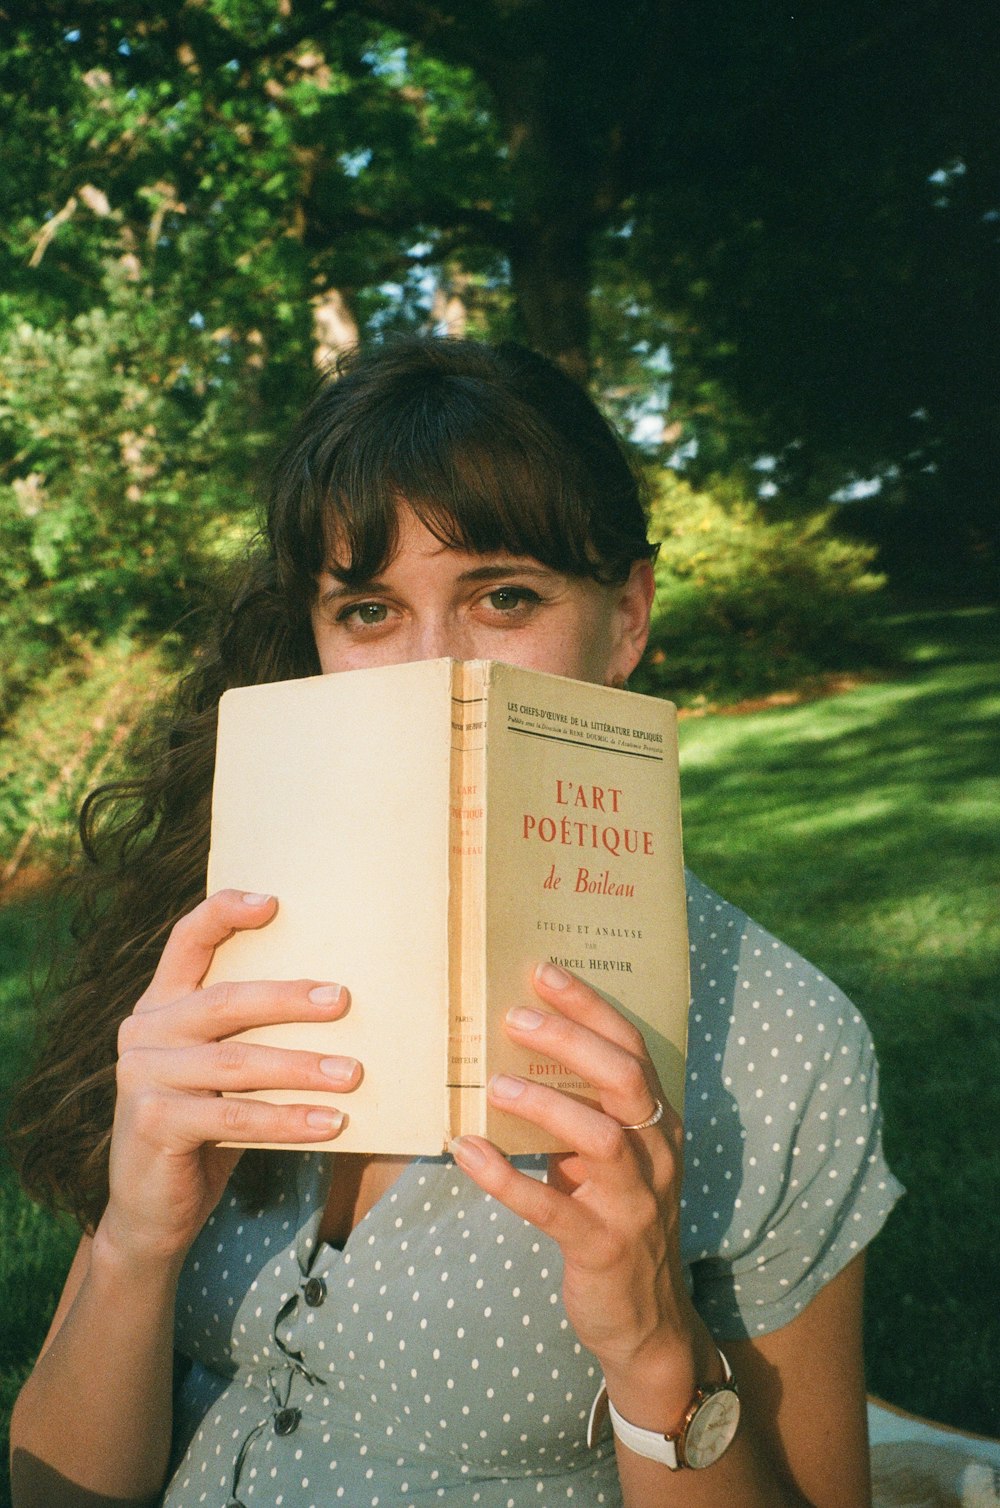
(644, 1442)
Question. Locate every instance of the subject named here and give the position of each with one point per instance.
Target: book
(433, 831)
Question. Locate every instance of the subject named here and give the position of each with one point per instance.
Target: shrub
(122, 477)
(746, 605)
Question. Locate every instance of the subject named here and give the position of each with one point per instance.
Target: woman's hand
(612, 1202)
(176, 1058)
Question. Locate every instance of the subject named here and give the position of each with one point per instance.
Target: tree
(509, 135)
(798, 209)
(835, 255)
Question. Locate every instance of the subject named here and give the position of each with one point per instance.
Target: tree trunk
(554, 185)
(550, 280)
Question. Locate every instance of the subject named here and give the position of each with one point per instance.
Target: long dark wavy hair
(494, 449)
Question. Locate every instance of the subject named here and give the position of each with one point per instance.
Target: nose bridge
(434, 637)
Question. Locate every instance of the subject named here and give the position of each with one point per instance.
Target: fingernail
(555, 978)
(503, 1087)
(325, 994)
(325, 1120)
(466, 1153)
(524, 1018)
(251, 898)
(342, 1069)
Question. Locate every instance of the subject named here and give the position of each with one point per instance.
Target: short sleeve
(785, 1176)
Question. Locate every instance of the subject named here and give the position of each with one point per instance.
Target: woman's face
(434, 600)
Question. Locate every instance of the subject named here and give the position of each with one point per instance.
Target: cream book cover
(432, 831)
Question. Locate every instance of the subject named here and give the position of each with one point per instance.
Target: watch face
(712, 1428)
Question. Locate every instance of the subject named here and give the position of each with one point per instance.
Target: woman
(373, 1331)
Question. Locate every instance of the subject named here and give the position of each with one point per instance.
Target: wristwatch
(705, 1434)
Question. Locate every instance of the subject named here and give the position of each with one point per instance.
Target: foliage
(814, 251)
(124, 477)
(251, 160)
(745, 604)
(746, 226)
(185, 186)
(68, 732)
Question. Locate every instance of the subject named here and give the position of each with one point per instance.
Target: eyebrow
(496, 572)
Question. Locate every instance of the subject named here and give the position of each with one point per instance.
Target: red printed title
(597, 830)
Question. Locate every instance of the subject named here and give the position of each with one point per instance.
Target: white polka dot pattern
(785, 1179)
(432, 1362)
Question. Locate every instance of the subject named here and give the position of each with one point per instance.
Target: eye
(506, 599)
(364, 614)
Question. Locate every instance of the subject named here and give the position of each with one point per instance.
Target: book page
(332, 794)
(583, 867)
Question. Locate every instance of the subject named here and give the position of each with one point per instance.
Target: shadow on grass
(950, 636)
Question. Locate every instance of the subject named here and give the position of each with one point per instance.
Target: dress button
(286, 1421)
(314, 1292)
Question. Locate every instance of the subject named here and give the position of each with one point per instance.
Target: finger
(603, 1151)
(534, 1201)
(194, 938)
(583, 1127)
(226, 1008)
(181, 1123)
(232, 1067)
(579, 1001)
(604, 1223)
(625, 1081)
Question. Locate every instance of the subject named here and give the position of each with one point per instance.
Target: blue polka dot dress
(431, 1361)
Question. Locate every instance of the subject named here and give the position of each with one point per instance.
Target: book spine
(466, 901)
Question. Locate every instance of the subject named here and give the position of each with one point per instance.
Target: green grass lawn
(35, 1249)
(863, 829)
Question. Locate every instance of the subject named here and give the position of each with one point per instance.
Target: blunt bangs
(456, 432)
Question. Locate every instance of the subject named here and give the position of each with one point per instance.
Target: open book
(433, 830)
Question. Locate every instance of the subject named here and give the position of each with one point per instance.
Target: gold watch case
(710, 1426)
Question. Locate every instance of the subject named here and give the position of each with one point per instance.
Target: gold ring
(651, 1120)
